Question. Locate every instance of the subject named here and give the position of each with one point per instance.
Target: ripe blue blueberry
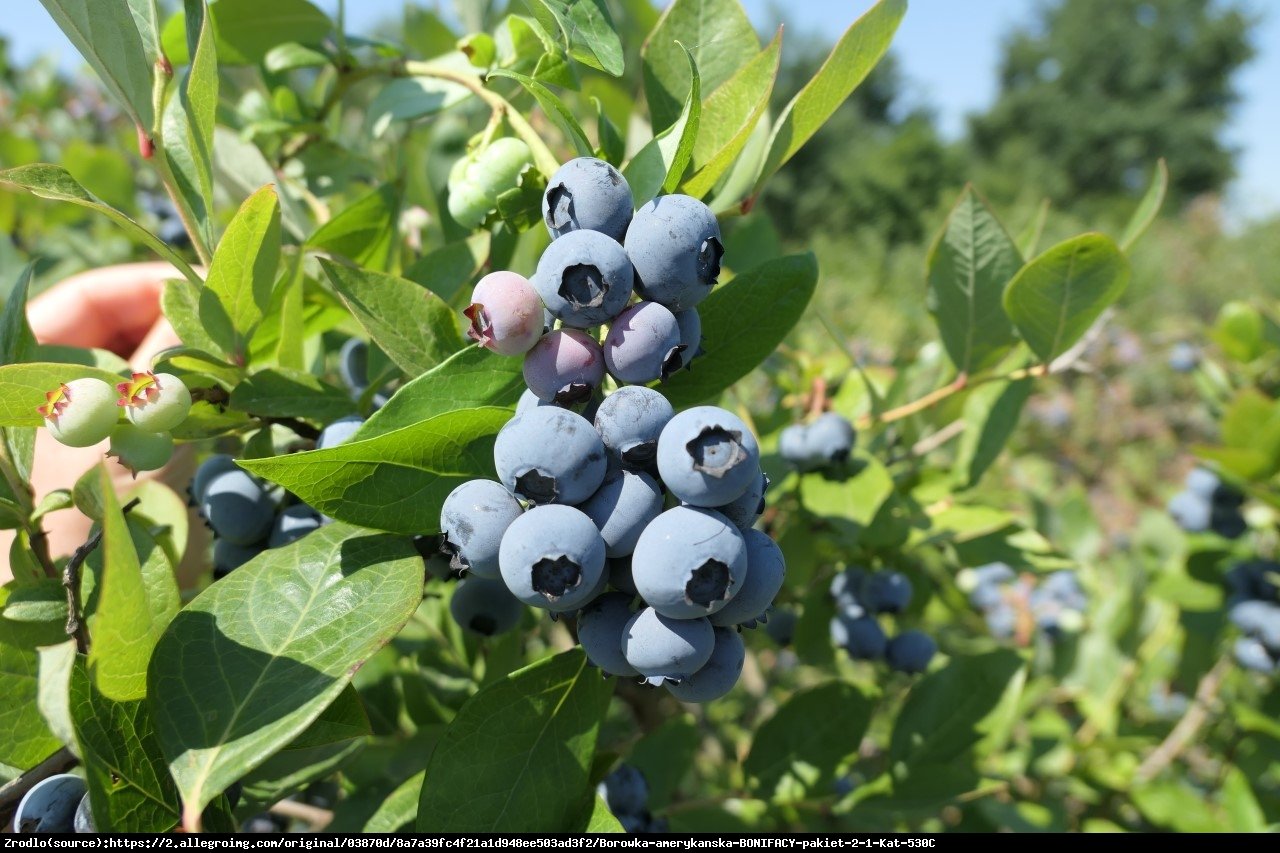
(910, 651)
(622, 507)
(1064, 588)
(1202, 482)
(719, 674)
(353, 368)
(766, 569)
(846, 589)
(83, 821)
(664, 649)
(643, 344)
(600, 627)
(1259, 619)
(1254, 579)
(1250, 653)
(630, 420)
(564, 367)
(887, 592)
(830, 438)
(625, 791)
(1184, 357)
(550, 455)
(584, 278)
(674, 244)
(689, 562)
(228, 556)
(589, 194)
(238, 508)
(473, 519)
(690, 325)
(1227, 521)
(1002, 620)
(219, 463)
(339, 432)
(50, 805)
(862, 637)
(707, 456)
(552, 557)
(292, 524)
(744, 511)
(1191, 512)
(484, 606)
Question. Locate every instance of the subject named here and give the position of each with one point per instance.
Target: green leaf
(54, 182)
(253, 660)
(407, 98)
(131, 614)
(991, 414)
(23, 388)
(398, 811)
(199, 102)
(364, 232)
(661, 163)
(856, 498)
(180, 302)
(107, 36)
(665, 756)
(146, 19)
(802, 744)
(729, 115)
(241, 169)
(27, 740)
(587, 29)
(291, 56)
(852, 59)
(237, 292)
(517, 757)
(339, 731)
(412, 325)
(1148, 208)
(53, 695)
(470, 378)
(555, 110)
(601, 820)
(769, 300)
(721, 37)
(1241, 804)
(17, 343)
(1057, 296)
(1029, 237)
(448, 269)
(42, 600)
(129, 786)
(969, 265)
(397, 481)
(1240, 331)
(248, 29)
(950, 711)
(278, 392)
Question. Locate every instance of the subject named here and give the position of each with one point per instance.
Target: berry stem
(1184, 732)
(542, 156)
(159, 94)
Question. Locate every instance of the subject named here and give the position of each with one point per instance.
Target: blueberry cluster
(1055, 604)
(83, 412)
(1255, 609)
(1207, 503)
(619, 492)
(823, 444)
(667, 254)
(245, 515)
(626, 793)
(860, 596)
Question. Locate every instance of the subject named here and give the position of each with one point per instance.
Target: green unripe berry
(155, 402)
(139, 450)
(80, 413)
(476, 180)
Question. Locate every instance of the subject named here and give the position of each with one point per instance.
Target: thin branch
(1197, 714)
(317, 818)
(156, 153)
(13, 791)
(71, 583)
(217, 396)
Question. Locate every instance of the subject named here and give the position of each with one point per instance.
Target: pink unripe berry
(565, 366)
(80, 413)
(506, 313)
(155, 402)
(643, 344)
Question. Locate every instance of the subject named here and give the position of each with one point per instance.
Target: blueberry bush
(479, 319)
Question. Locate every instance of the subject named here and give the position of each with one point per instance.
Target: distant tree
(1095, 90)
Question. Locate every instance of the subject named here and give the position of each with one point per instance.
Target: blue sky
(953, 81)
